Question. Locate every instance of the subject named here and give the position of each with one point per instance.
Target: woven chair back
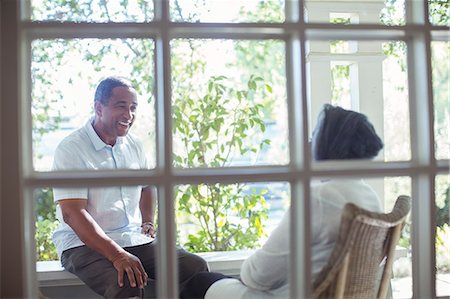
(360, 265)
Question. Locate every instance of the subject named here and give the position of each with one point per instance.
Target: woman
(339, 134)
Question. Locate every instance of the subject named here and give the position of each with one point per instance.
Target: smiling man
(106, 235)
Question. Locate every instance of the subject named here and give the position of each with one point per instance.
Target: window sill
(52, 274)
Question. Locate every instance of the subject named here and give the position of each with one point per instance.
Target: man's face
(116, 117)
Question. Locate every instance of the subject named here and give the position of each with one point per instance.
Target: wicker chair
(364, 249)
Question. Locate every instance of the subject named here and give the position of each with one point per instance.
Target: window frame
(17, 205)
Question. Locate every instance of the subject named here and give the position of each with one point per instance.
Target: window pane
(46, 223)
(216, 11)
(441, 94)
(356, 12)
(439, 11)
(329, 196)
(53, 236)
(232, 217)
(442, 235)
(65, 74)
(368, 77)
(92, 10)
(230, 111)
(401, 280)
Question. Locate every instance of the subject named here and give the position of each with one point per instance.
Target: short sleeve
(67, 159)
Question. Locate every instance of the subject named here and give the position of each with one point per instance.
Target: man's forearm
(147, 204)
(92, 235)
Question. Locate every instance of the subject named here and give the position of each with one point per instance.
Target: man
(106, 234)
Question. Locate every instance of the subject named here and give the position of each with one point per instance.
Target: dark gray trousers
(99, 274)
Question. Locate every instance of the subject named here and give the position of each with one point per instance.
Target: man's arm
(78, 218)
(147, 206)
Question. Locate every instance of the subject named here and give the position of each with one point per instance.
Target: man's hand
(148, 229)
(127, 263)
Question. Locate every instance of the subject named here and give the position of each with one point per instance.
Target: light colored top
(265, 274)
(115, 209)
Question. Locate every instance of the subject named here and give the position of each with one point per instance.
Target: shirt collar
(95, 139)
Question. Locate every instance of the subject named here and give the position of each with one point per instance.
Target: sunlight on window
(401, 281)
(229, 217)
(65, 74)
(388, 12)
(92, 10)
(441, 97)
(368, 77)
(217, 11)
(442, 235)
(232, 111)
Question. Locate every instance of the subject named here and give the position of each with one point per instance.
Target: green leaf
(252, 85)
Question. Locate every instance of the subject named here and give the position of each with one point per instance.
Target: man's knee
(115, 291)
(197, 263)
(190, 264)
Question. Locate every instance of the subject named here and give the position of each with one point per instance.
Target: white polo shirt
(116, 209)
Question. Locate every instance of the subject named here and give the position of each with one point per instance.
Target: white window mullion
(18, 208)
(29, 204)
(300, 272)
(29, 241)
(422, 149)
(423, 237)
(17, 278)
(167, 275)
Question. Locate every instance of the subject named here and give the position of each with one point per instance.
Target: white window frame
(18, 277)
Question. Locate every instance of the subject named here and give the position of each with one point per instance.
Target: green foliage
(266, 11)
(443, 248)
(45, 249)
(405, 237)
(45, 206)
(439, 12)
(216, 125)
(342, 21)
(227, 218)
(393, 13)
(211, 129)
(339, 79)
(45, 225)
(443, 213)
(442, 228)
(92, 10)
(249, 11)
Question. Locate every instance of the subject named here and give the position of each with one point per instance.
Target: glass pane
(46, 223)
(65, 74)
(329, 196)
(439, 11)
(216, 11)
(368, 77)
(119, 214)
(230, 111)
(442, 235)
(441, 93)
(92, 10)
(388, 12)
(401, 281)
(232, 217)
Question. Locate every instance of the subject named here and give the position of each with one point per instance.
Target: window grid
(421, 106)
(422, 168)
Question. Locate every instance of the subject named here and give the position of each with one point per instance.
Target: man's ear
(98, 108)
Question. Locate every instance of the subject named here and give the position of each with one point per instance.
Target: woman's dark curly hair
(344, 134)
